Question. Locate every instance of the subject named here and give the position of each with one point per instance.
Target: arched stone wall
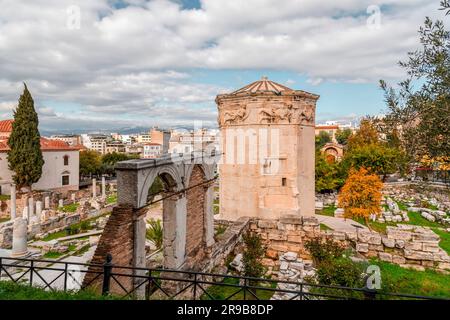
(187, 215)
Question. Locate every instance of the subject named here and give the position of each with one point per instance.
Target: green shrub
(155, 233)
(72, 230)
(324, 250)
(340, 272)
(253, 253)
(85, 225)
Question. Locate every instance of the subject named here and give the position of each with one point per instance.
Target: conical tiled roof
(263, 85)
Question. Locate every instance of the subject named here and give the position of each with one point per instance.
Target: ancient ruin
(267, 139)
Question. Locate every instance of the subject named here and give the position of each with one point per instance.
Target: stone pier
(94, 188)
(13, 201)
(103, 188)
(38, 209)
(47, 202)
(19, 247)
(31, 207)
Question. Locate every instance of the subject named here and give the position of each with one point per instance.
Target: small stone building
(60, 171)
(267, 145)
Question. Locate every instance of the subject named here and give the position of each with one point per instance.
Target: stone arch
(124, 234)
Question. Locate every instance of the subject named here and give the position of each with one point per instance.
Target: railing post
(245, 288)
(301, 291)
(369, 294)
(31, 272)
(195, 285)
(65, 276)
(107, 268)
(149, 284)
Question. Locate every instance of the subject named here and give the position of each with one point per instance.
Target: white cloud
(136, 59)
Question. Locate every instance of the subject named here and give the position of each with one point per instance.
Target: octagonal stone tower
(267, 142)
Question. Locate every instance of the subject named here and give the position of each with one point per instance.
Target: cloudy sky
(99, 64)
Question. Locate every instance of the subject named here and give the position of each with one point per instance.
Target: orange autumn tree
(361, 194)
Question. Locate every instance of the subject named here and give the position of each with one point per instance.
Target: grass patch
(375, 225)
(4, 219)
(219, 292)
(327, 211)
(416, 219)
(75, 228)
(216, 209)
(445, 239)
(13, 291)
(4, 197)
(111, 199)
(216, 201)
(324, 227)
(82, 251)
(427, 283)
(71, 207)
(219, 230)
(56, 255)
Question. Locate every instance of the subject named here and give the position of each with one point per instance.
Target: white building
(152, 150)
(187, 142)
(70, 139)
(60, 170)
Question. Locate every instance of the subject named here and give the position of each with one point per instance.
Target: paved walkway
(340, 224)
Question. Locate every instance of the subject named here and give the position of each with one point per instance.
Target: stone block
(418, 255)
(398, 259)
(277, 235)
(444, 266)
(338, 235)
(389, 243)
(369, 237)
(310, 221)
(289, 256)
(430, 247)
(267, 224)
(268, 262)
(362, 247)
(398, 234)
(287, 226)
(413, 246)
(384, 256)
(400, 244)
(272, 254)
(428, 264)
(291, 219)
(297, 239)
(351, 236)
(376, 247)
(339, 213)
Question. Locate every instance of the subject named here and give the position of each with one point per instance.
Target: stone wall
(195, 220)
(409, 246)
(52, 224)
(117, 240)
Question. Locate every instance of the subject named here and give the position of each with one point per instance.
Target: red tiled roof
(6, 125)
(46, 145)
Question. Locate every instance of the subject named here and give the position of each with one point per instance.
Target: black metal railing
(144, 283)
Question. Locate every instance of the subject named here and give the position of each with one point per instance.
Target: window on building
(65, 180)
(66, 160)
(283, 182)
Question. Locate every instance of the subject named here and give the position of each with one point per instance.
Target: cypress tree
(25, 155)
